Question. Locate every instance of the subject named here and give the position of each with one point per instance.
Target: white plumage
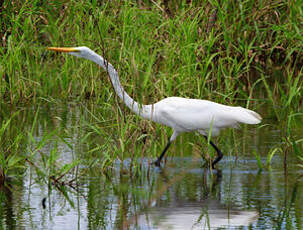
(187, 115)
(181, 114)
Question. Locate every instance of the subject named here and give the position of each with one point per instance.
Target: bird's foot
(207, 165)
(156, 163)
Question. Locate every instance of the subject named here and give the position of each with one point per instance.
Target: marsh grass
(156, 54)
(23, 148)
(237, 53)
(10, 161)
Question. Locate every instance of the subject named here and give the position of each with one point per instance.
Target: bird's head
(81, 51)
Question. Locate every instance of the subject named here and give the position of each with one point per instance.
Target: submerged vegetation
(239, 53)
(246, 53)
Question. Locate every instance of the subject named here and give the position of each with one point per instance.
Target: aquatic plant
(244, 53)
(11, 162)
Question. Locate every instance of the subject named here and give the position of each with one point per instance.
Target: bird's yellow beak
(63, 49)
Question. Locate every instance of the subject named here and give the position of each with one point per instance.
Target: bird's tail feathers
(247, 116)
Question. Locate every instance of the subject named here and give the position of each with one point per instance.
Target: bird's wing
(192, 114)
(187, 114)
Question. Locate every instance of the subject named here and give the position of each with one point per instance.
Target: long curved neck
(144, 111)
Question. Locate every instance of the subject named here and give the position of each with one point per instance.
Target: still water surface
(181, 195)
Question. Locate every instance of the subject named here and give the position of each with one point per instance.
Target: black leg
(157, 162)
(220, 154)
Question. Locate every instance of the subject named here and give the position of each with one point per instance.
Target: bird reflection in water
(207, 212)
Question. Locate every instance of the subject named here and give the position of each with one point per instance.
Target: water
(181, 195)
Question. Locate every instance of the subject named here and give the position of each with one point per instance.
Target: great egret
(181, 114)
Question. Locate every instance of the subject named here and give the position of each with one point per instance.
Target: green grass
(249, 55)
(157, 54)
(61, 122)
(11, 143)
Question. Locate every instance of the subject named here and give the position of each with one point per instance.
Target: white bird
(181, 114)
